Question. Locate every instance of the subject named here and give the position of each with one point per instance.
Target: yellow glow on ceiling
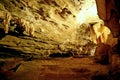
(88, 13)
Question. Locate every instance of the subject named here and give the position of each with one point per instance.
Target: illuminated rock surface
(55, 23)
(62, 29)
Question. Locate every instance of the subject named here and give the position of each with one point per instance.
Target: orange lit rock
(6, 19)
(102, 53)
(99, 33)
(108, 10)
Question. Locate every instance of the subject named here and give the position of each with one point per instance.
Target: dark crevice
(2, 33)
(6, 52)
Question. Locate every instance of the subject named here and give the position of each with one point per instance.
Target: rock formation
(52, 23)
(45, 27)
(31, 30)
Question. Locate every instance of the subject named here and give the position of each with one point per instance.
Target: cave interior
(59, 40)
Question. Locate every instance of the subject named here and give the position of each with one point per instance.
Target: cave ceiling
(55, 25)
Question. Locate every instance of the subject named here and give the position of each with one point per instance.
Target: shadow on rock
(60, 55)
(6, 52)
(100, 77)
(3, 76)
(2, 33)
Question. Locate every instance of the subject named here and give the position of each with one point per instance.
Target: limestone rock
(55, 23)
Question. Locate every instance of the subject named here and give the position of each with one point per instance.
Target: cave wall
(56, 23)
(109, 11)
(59, 26)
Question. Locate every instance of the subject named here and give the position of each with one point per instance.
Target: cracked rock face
(56, 26)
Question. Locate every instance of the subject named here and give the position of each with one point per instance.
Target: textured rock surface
(61, 27)
(55, 22)
(53, 69)
(110, 13)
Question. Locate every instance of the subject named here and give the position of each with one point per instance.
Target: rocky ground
(19, 61)
(68, 68)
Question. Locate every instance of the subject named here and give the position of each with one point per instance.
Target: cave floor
(69, 68)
